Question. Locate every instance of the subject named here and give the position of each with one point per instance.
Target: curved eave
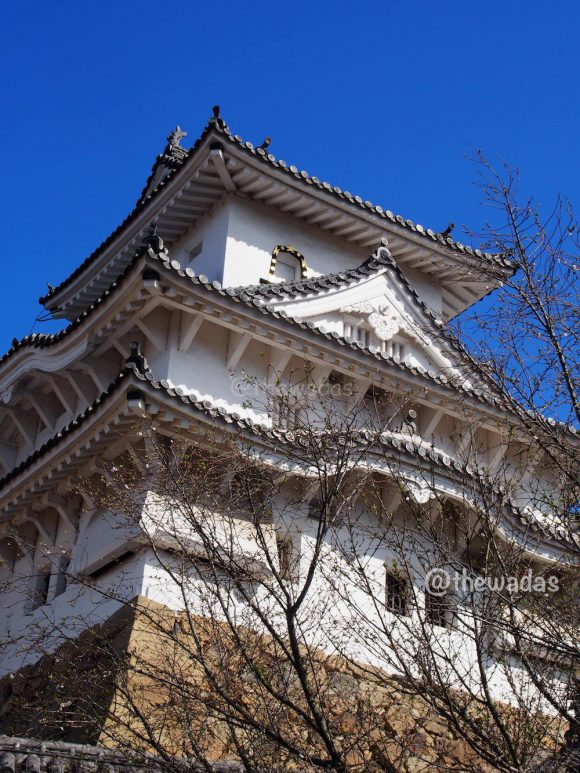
(421, 248)
(90, 432)
(25, 353)
(120, 246)
(369, 359)
(51, 353)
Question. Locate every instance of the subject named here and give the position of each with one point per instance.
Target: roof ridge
(171, 157)
(141, 202)
(217, 124)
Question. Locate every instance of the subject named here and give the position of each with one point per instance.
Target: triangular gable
(375, 304)
(380, 306)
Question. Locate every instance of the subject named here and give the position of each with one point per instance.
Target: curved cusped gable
(293, 253)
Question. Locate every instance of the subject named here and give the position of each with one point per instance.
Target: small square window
(439, 609)
(396, 594)
(287, 268)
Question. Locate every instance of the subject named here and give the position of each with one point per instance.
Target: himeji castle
(234, 271)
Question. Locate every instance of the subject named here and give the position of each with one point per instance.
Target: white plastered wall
(255, 229)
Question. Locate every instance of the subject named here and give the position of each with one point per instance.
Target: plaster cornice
(107, 410)
(368, 357)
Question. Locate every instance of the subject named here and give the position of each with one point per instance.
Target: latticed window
(439, 608)
(396, 594)
(40, 588)
(393, 348)
(199, 468)
(286, 411)
(194, 251)
(248, 491)
(62, 576)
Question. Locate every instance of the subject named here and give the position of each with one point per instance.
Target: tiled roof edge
(223, 130)
(264, 308)
(22, 755)
(137, 209)
(67, 429)
(379, 260)
(500, 259)
(210, 410)
(237, 294)
(42, 340)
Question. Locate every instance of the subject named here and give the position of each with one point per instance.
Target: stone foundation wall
(94, 690)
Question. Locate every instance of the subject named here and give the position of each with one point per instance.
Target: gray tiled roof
(433, 236)
(256, 297)
(219, 128)
(380, 259)
(391, 443)
(42, 340)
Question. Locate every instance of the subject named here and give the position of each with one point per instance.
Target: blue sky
(384, 99)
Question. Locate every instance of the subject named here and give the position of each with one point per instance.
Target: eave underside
(134, 400)
(211, 173)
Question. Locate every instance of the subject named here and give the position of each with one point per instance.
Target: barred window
(359, 332)
(62, 576)
(286, 411)
(286, 556)
(439, 608)
(396, 593)
(393, 348)
(41, 585)
(247, 490)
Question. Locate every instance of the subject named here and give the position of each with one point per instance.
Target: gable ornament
(384, 321)
(359, 308)
(385, 325)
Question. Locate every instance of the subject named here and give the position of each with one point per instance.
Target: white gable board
(378, 312)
